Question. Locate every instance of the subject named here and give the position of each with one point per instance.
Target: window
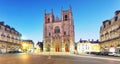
(109, 22)
(49, 34)
(8, 36)
(66, 17)
(116, 18)
(48, 20)
(64, 33)
(104, 26)
(57, 29)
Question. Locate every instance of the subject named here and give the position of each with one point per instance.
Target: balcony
(110, 39)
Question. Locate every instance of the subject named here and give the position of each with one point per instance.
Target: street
(56, 59)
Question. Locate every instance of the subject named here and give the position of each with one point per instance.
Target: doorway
(57, 49)
(66, 48)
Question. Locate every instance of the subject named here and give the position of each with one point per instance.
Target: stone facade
(110, 34)
(58, 33)
(9, 38)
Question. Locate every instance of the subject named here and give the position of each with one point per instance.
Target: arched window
(66, 17)
(49, 34)
(64, 33)
(57, 29)
(48, 20)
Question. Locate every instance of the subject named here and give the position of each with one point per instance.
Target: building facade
(84, 46)
(9, 38)
(110, 34)
(39, 47)
(27, 46)
(58, 33)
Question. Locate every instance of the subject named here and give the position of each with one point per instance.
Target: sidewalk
(55, 53)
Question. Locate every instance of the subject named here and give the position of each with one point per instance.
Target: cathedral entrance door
(57, 49)
(66, 48)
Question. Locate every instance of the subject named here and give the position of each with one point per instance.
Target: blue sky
(27, 16)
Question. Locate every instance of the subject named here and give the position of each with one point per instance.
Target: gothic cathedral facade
(58, 33)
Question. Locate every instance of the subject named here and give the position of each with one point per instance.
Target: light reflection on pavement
(43, 59)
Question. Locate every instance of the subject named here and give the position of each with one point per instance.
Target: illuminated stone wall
(58, 33)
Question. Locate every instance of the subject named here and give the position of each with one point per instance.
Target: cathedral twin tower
(58, 33)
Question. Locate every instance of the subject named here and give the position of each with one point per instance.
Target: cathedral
(58, 33)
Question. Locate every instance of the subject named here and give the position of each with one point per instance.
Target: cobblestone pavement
(55, 59)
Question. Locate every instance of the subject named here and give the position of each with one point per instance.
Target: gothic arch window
(57, 29)
(64, 33)
(66, 17)
(48, 20)
(49, 34)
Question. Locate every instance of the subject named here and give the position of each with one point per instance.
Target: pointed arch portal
(66, 48)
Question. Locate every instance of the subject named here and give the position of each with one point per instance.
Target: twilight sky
(27, 16)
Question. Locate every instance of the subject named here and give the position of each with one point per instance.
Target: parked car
(117, 54)
(111, 53)
(102, 53)
(14, 52)
(95, 53)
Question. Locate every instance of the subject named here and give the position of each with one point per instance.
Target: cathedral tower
(58, 33)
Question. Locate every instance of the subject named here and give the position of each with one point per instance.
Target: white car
(117, 54)
(111, 53)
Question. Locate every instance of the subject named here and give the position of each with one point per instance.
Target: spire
(45, 11)
(51, 11)
(57, 19)
(70, 7)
